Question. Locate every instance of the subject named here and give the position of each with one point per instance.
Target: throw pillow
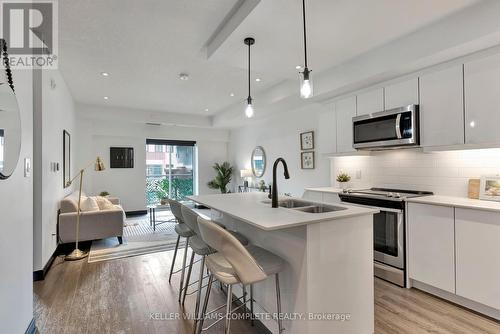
(104, 203)
(89, 204)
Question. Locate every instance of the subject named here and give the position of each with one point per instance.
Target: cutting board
(474, 188)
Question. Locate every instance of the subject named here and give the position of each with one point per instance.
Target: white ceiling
(144, 45)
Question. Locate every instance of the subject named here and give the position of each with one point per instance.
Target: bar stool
(199, 247)
(184, 231)
(235, 264)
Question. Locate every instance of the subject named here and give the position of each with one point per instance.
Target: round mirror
(258, 161)
(10, 131)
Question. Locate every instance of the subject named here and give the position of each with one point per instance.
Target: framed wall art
(307, 140)
(489, 188)
(307, 160)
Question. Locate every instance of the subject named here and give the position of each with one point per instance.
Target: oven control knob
(397, 195)
(390, 195)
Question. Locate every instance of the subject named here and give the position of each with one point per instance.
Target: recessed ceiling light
(258, 79)
(105, 74)
(298, 67)
(206, 109)
(232, 94)
(184, 76)
(106, 98)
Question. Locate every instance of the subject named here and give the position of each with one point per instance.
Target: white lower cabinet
(313, 195)
(432, 245)
(478, 256)
(319, 196)
(331, 197)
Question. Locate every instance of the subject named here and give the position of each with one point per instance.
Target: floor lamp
(77, 254)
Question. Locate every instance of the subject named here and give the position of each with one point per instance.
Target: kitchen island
(327, 286)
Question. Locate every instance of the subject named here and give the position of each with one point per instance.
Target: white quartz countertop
(325, 190)
(249, 207)
(458, 202)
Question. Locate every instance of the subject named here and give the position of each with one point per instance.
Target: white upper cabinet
(482, 100)
(478, 256)
(401, 94)
(345, 110)
(326, 135)
(431, 251)
(371, 101)
(441, 102)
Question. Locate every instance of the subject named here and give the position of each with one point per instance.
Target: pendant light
(249, 112)
(306, 84)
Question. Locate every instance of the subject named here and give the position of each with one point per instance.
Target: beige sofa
(93, 225)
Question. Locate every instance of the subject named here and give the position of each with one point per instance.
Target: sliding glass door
(170, 170)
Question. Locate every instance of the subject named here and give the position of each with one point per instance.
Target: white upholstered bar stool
(236, 264)
(184, 231)
(200, 248)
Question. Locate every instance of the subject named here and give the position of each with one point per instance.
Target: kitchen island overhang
(327, 285)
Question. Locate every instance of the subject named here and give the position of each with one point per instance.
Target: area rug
(139, 238)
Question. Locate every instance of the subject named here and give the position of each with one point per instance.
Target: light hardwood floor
(118, 296)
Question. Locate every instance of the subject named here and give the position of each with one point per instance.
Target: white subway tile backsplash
(444, 173)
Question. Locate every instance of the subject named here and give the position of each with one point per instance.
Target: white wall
(98, 135)
(279, 136)
(57, 113)
(16, 221)
(444, 173)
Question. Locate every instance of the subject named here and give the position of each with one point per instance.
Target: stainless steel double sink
(306, 206)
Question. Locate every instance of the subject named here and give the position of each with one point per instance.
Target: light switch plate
(27, 167)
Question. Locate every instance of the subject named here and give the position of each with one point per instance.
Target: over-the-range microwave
(387, 129)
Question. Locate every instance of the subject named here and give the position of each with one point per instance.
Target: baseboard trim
(31, 327)
(136, 213)
(475, 307)
(39, 275)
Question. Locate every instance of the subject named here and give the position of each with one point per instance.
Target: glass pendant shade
(249, 112)
(306, 84)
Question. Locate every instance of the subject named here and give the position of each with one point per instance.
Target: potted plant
(223, 175)
(162, 191)
(262, 185)
(104, 193)
(343, 179)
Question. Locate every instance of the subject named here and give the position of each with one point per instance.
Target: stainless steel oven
(389, 241)
(387, 129)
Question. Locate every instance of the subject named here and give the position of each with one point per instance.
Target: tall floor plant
(223, 175)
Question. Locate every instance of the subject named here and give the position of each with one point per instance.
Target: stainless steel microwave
(387, 129)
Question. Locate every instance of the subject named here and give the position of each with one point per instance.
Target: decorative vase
(344, 186)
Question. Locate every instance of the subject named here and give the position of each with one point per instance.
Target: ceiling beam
(233, 19)
(97, 112)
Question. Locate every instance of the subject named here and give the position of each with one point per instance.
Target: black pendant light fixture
(249, 109)
(306, 84)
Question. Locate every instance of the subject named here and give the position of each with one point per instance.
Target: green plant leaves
(223, 175)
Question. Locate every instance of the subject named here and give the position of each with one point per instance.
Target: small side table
(243, 189)
(153, 208)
